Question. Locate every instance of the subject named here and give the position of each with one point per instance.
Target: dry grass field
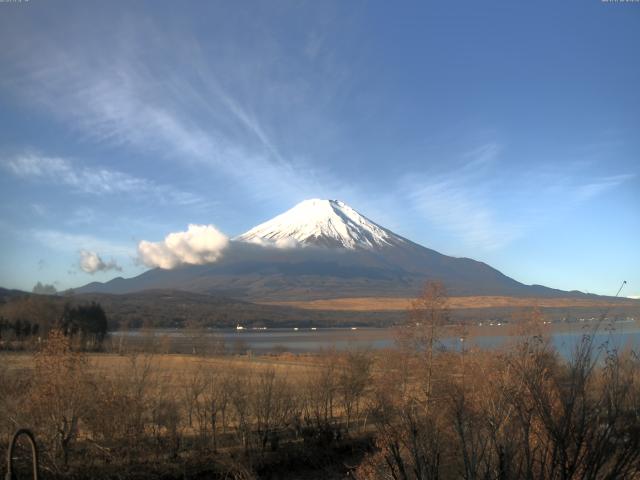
(177, 369)
(379, 304)
(333, 415)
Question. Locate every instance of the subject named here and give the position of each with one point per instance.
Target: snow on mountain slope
(327, 223)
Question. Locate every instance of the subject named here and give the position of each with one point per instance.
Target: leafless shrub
(353, 379)
(58, 397)
(272, 408)
(320, 395)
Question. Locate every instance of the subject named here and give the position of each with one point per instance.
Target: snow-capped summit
(327, 223)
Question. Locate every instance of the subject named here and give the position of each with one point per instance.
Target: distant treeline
(168, 309)
(18, 329)
(32, 317)
(176, 309)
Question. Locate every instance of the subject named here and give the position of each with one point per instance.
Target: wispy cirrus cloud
(92, 180)
(65, 242)
(463, 212)
(458, 203)
(466, 201)
(481, 157)
(205, 111)
(597, 186)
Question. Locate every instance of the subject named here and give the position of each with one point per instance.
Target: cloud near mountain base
(91, 262)
(282, 243)
(200, 244)
(44, 289)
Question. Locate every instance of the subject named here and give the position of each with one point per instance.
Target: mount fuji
(324, 223)
(323, 249)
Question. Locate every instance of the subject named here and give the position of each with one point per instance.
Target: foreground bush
(521, 414)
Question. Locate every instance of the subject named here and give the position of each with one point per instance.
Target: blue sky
(503, 131)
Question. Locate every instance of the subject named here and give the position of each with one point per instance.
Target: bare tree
(216, 398)
(428, 314)
(321, 388)
(416, 447)
(272, 407)
(353, 379)
(59, 395)
(240, 388)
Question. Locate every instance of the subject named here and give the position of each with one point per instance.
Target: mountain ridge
(322, 249)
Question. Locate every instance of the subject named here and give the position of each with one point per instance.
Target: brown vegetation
(379, 304)
(415, 412)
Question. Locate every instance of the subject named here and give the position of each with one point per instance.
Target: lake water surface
(564, 338)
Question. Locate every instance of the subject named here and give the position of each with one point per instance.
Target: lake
(305, 340)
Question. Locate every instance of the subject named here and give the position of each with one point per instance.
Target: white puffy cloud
(90, 262)
(200, 244)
